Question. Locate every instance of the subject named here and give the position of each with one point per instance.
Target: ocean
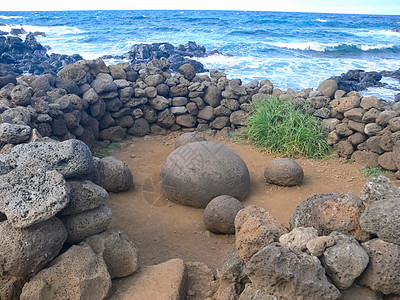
(293, 50)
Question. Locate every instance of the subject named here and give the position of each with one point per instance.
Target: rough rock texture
(298, 238)
(251, 292)
(358, 292)
(382, 217)
(330, 212)
(328, 88)
(31, 194)
(289, 274)
(219, 215)
(318, 245)
(14, 133)
(84, 195)
(72, 158)
(166, 281)
(11, 287)
(25, 251)
(378, 188)
(196, 173)
(345, 260)
(189, 137)
(255, 229)
(87, 223)
(76, 274)
(118, 177)
(119, 253)
(231, 269)
(201, 282)
(283, 171)
(382, 273)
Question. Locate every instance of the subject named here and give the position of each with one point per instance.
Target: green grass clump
(101, 153)
(372, 172)
(277, 126)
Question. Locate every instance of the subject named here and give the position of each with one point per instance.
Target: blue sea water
(293, 50)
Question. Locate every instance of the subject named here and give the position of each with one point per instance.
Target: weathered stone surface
(189, 137)
(372, 129)
(298, 238)
(30, 194)
(382, 217)
(118, 177)
(328, 88)
(159, 103)
(347, 103)
(119, 253)
(330, 212)
(213, 96)
(166, 281)
(141, 127)
(25, 251)
(288, 274)
(196, 173)
(252, 292)
(366, 158)
(87, 223)
(382, 273)
(72, 158)
(21, 95)
(84, 195)
(231, 269)
(238, 118)
(345, 260)
(201, 282)
(104, 83)
(386, 161)
(14, 133)
(207, 113)
(283, 171)
(76, 274)
(344, 148)
(11, 287)
(219, 215)
(318, 245)
(358, 292)
(369, 102)
(255, 229)
(379, 188)
(113, 134)
(187, 70)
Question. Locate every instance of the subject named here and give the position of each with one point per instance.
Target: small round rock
(189, 137)
(219, 215)
(284, 172)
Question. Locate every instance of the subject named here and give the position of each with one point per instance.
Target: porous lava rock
(284, 172)
(196, 173)
(219, 215)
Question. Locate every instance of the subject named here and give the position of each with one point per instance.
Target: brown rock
(318, 245)
(328, 88)
(366, 158)
(11, 287)
(369, 102)
(298, 238)
(344, 149)
(347, 103)
(284, 172)
(386, 161)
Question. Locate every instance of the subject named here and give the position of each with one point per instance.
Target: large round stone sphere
(196, 173)
(284, 172)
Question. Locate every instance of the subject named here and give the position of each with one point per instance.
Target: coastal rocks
(289, 274)
(118, 177)
(219, 215)
(284, 172)
(328, 88)
(196, 173)
(76, 274)
(255, 228)
(357, 80)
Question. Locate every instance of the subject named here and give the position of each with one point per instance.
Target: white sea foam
(321, 20)
(11, 17)
(320, 47)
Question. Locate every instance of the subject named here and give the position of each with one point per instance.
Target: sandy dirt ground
(163, 230)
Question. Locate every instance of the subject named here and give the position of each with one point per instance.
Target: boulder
(381, 218)
(328, 88)
(118, 177)
(213, 96)
(188, 71)
(113, 134)
(298, 238)
(289, 274)
(104, 83)
(196, 173)
(119, 253)
(189, 137)
(167, 280)
(283, 171)
(255, 228)
(219, 215)
(87, 223)
(201, 281)
(345, 260)
(21, 95)
(23, 252)
(76, 274)
(14, 133)
(72, 158)
(31, 194)
(331, 212)
(382, 272)
(141, 127)
(379, 188)
(186, 120)
(231, 269)
(74, 72)
(159, 103)
(84, 195)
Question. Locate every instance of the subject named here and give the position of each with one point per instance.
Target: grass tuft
(278, 127)
(372, 172)
(107, 151)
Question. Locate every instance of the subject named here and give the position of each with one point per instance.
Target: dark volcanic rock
(357, 80)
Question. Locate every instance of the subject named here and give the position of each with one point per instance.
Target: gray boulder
(345, 260)
(378, 188)
(219, 215)
(289, 274)
(119, 253)
(328, 88)
(104, 83)
(23, 252)
(189, 137)
(14, 133)
(159, 103)
(76, 274)
(382, 273)
(118, 177)
(87, 223)
(213, 96)
(31, 194)
(84, 195)
(113, 134)
(188, 71)
(21, 95)
(196, 173)
(72, 158)
(283, 171)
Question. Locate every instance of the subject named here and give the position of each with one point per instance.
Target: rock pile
(338, 247)
(55, 223)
